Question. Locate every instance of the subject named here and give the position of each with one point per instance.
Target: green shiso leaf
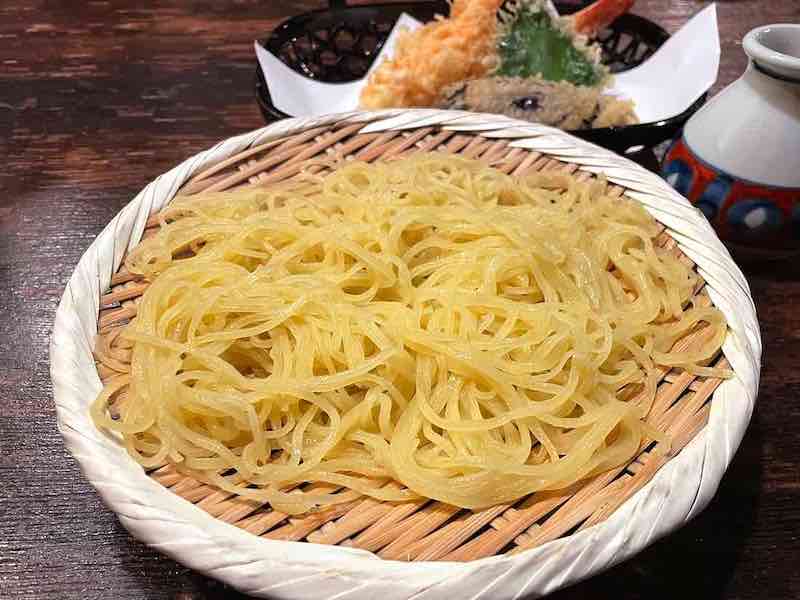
(534, 45)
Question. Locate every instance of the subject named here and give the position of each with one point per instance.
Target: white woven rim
(260, 566)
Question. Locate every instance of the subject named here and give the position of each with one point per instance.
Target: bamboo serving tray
(424, 531)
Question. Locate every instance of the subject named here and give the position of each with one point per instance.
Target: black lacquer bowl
(339, 43)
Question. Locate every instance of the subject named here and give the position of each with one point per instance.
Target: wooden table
(96, 99)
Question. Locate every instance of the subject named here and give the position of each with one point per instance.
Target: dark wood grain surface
(99, 97)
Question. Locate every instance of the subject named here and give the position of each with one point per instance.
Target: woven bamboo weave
(422, 530)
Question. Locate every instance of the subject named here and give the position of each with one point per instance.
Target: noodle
(429, 321)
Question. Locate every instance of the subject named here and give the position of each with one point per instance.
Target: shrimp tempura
(436, 55)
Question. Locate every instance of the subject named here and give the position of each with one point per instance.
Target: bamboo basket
(422, 549)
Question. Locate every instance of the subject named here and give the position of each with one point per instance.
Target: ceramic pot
(738, 158)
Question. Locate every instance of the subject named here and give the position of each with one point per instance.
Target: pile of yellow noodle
(429, 321)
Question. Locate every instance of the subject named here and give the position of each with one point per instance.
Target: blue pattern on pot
(679, 175)
(755, 217)
(713, 197)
